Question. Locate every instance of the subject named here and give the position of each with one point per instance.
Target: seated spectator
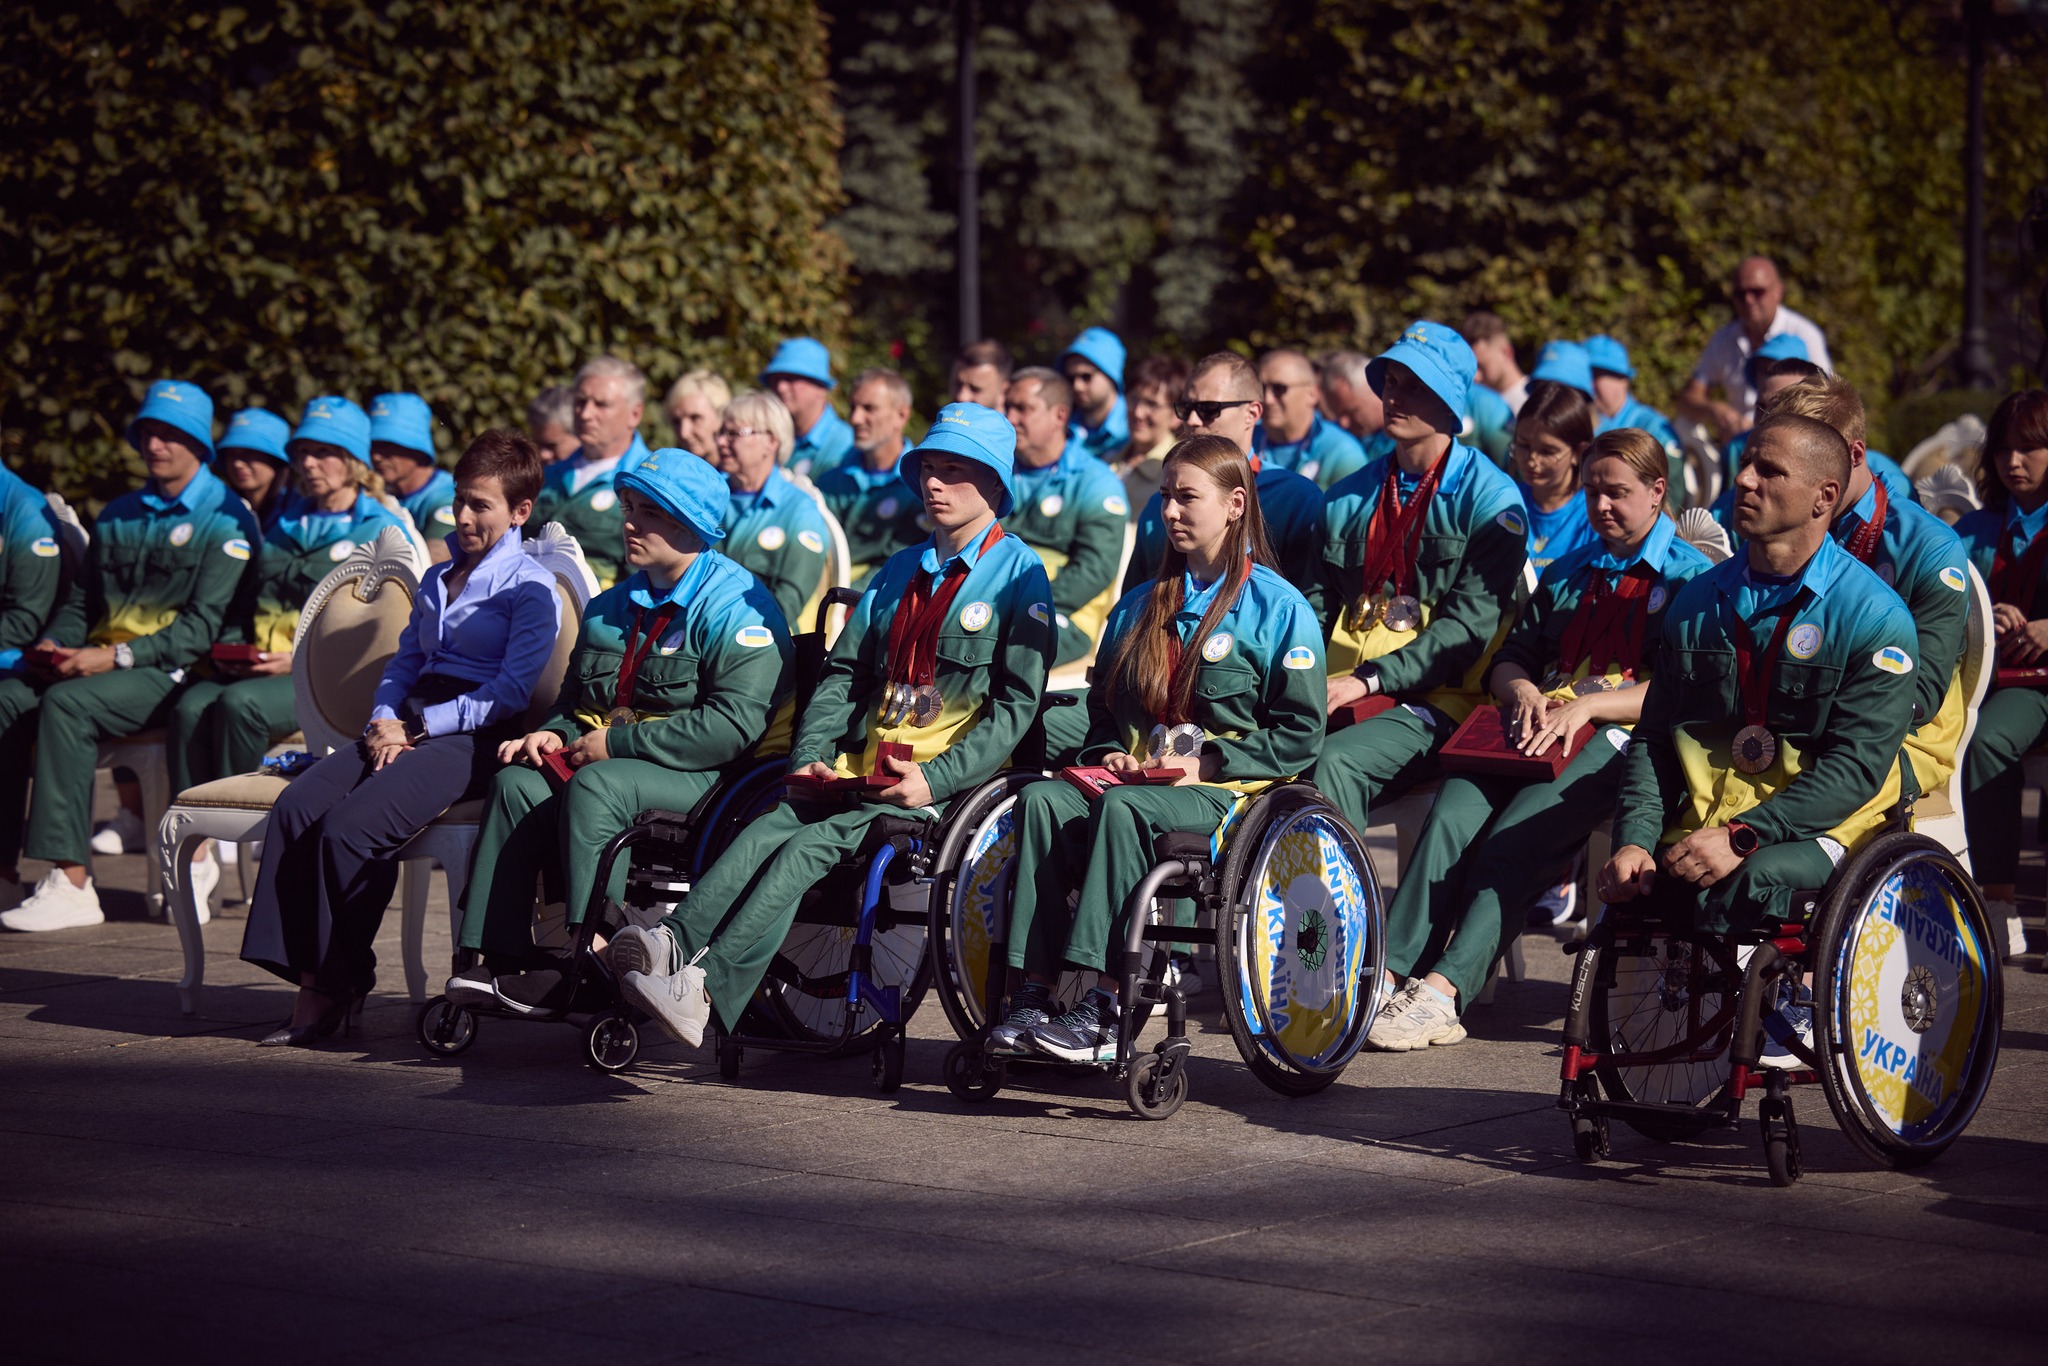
(1213, 669)
(1551, 435)
(252, 461)
(1758, 296)
(1349, 401)
(402, 452)
(482, 629)
(31, 574)
(772, 528)
(1494, 353)
(958, 684)
(1774, 376)
(1769, 743)
(222, 723)
(1578, 655)
(693, 405)
(551, 422)
(1424, 549)
(165, 569)
(1093, 367)
(2008, 541)
(1155, 386)
(800, 376)
(875, 508)
(1615, 405)
(610, 397)
(677, 672)
(1070, 509)
(1291, 433)
(980, 374)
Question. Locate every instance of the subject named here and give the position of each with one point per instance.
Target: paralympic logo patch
(771, 538)
(1804, 642)
(976, 615)
(1217, 646)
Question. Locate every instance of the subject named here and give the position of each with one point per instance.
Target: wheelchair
(1285, 893)
(1663, 1028)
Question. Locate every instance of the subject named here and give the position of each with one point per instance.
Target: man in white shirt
(1487, 334)
(1758, 295)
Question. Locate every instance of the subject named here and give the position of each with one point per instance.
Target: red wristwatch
(1741, 839)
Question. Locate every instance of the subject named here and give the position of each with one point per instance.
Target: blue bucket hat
(403, 420)
(1605, 353)
(804, 357)
(1784, 346)
(1436, 355)
(977, 433)
(338, 422)
(1102, 349)
(258, 430)
(178, 404)
(1566, 363)
(686, 487)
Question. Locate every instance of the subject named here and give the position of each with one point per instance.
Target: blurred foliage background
(468, 199)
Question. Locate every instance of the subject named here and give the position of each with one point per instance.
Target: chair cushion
(463, 813)
(1932, 806)
(244, 791)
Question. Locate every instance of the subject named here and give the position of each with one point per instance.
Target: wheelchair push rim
(1303, 952)
(1909, 1000)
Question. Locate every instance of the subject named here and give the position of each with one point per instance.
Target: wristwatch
(1368, 674)
(124, 656)
(1741, 839)
(416, 733)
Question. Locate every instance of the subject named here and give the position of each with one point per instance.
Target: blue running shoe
(1087, 1033)
(1029, 1008)
(1789, 1021)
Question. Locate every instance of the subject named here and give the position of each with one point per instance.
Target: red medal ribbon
(2016, 584)
(1182, 660)
(1752, 670)
(637, 650)
(1863, 545)
(1391, 539)
(914, 633)
(1608, 626)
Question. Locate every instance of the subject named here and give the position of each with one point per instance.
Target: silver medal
(1183, 741)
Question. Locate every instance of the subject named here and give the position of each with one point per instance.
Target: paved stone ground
(172, 1193)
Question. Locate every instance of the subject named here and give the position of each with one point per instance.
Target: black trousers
(328, 869)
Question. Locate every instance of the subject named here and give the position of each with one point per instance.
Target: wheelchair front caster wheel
(611, 1043)
(1589, 1137)
(888, 1064)
(971, 1075)
(728, 1058)
(1781, 1141)
(1152, 1096)
(445, 1028)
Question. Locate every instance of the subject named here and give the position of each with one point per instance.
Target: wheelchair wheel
(445, 1029)
(972, 1075)
(611, 1043)
(821, 956)
(888, 1064)
(1663, 993)
(1908, 1000)
(1148, 1096)
(1301, 949)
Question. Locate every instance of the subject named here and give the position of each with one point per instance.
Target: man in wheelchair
(924, 695)
(1770, 739)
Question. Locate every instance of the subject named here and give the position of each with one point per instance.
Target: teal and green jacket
(1259, 689)
(1468, 570)
(826, 446)
(1840, 704)
(432, 506)
(994, 650)
(1073, 513)
(779, 536)
(163, 575)
(1325, 454)
(706, 693)
(589, 511)
(879, 513)
(296, 553)
(31, 567)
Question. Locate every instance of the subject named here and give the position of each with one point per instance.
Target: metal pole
(967, 15)
(1973, 361)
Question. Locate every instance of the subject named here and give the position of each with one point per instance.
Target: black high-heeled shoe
(342, 1015)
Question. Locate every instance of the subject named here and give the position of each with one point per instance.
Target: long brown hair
(1143, 665)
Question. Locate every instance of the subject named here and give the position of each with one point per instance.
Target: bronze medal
(1754, 750)
(925, 704)
(621, 716)
(1592, 683)
(1404, 613)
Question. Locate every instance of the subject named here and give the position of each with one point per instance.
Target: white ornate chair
(450, 840)
(347, 632)
(838, 571)
(1075, 673)
(1939, 815)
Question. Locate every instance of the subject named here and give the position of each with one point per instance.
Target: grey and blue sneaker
(1789, 1021)
(1029, 1008)
(1087, 1033)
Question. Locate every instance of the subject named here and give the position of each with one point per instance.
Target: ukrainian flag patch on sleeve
(238, 549)
(755, 636)
(1955, 578)
(1300, 657)
(1893, 660)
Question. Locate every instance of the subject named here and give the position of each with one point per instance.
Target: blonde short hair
(712, 386)
(764, 411)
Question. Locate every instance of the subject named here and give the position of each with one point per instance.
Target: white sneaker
(2007, 927)
(121, 835)
(645, 950)
(676, 1002)
(56, 905)
(205, 877)
(1417, 1018)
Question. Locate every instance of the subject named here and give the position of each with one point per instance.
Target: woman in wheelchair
(1574, 659)
(677, 672)
(931, 685)
(1213, 671)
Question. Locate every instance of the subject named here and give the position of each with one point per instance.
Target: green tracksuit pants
(741, 910)
(2011, 722)
(1379, 758)
(1101, 849)
(221, 729)
(64, 726)
(1760, 888)
(530, 830)
(1066, 730)
(1491, 847)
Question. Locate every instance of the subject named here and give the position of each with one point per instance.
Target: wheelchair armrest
(887, 828)
(673, 818)
(1057, 699)
(1181, 844)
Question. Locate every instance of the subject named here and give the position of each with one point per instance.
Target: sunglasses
(1208, 411)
